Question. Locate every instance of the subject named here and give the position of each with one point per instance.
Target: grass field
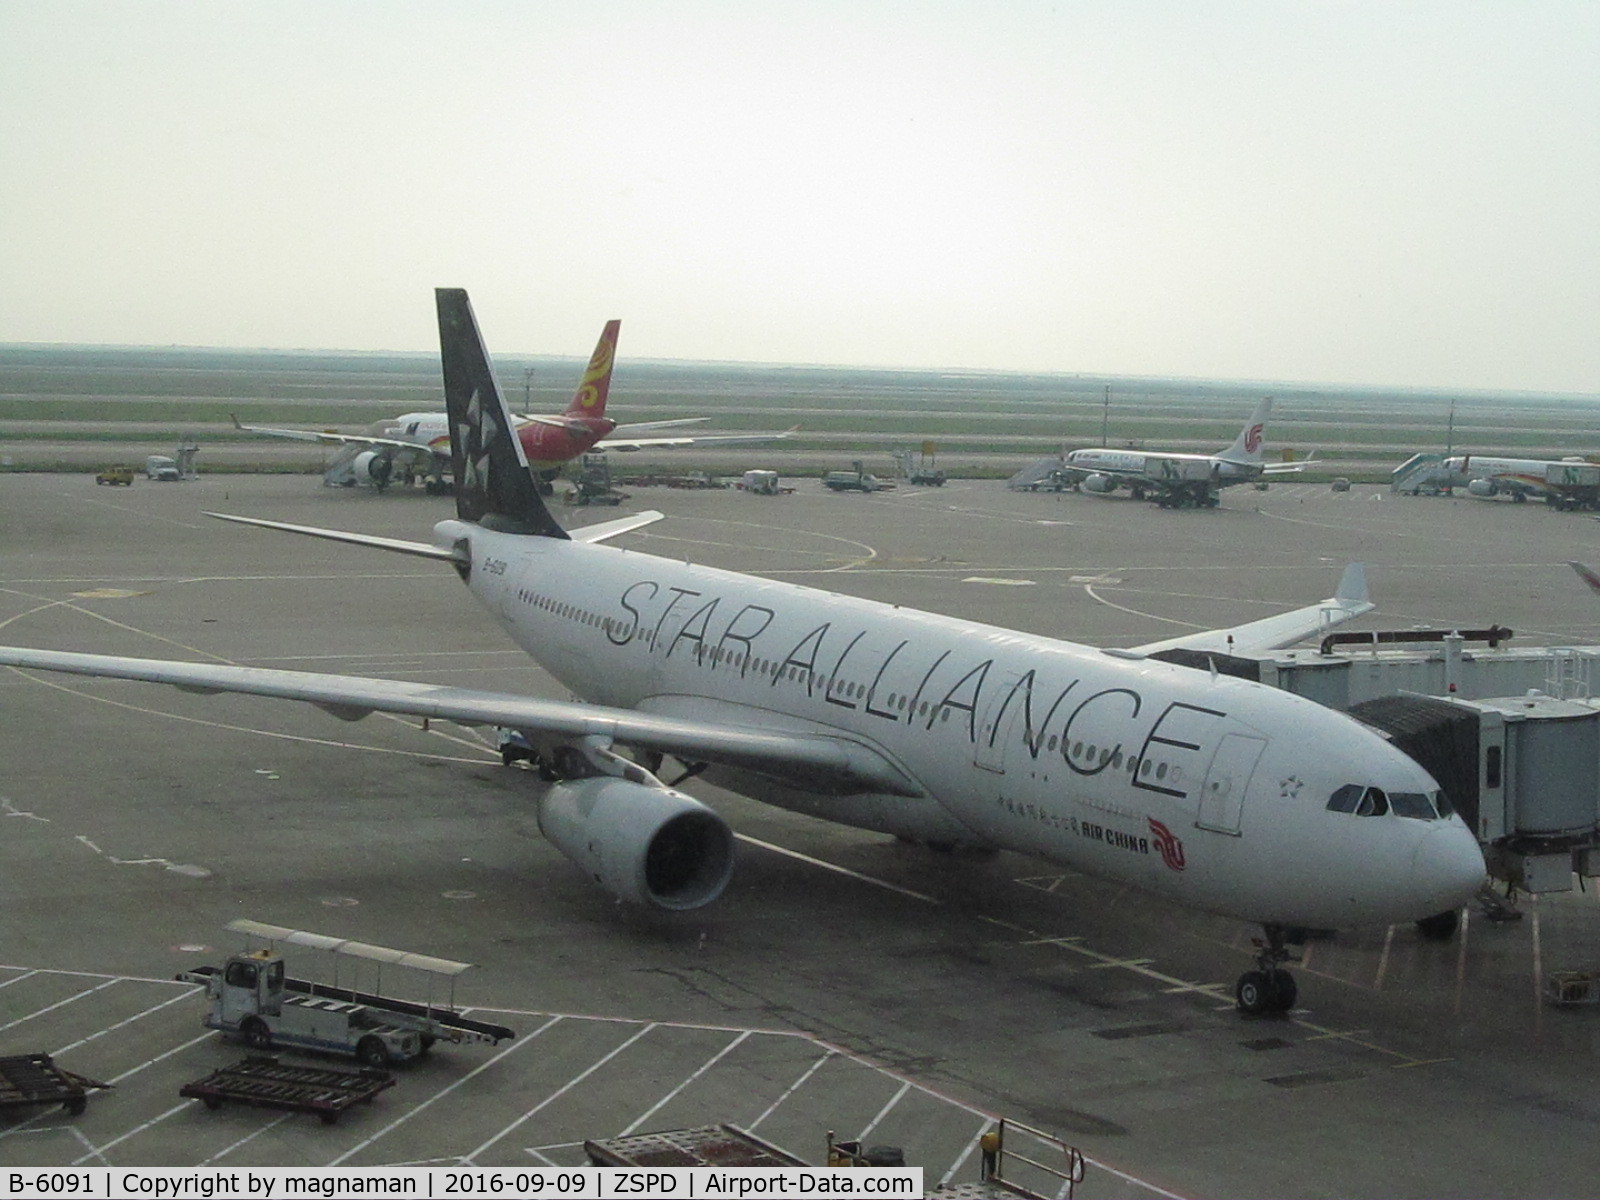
(69, 408)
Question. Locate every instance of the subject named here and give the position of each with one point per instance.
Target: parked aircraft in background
(1211, 791)
(418, 443)
(1563, 482)
(1178, 480)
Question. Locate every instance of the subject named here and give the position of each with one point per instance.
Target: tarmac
(846, 982)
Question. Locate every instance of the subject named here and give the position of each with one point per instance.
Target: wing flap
(822, 761)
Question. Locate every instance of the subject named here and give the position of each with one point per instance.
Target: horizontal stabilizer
(395, 545)
(1349, 601)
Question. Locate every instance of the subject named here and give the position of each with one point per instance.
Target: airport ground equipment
(265, 1082)
(763, 483)
(159, 466)
(1045, 475)
(921, 468)
(29, 1079)
(1512, 734)
(727, 1145)
(856, 479)
(119, 475)
(593, 484)
(722, 1145)
(253, 998)
(1423, 475)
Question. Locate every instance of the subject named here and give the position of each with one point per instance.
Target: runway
(846, 981)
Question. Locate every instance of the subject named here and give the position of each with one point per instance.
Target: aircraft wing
(329, 438)
(613, 442)
(835, 763)
(636, 427)
(1349, 601)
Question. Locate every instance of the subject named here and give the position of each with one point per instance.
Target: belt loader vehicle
(253, 998)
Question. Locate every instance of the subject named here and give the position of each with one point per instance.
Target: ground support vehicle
(253, 998)
(763, 483)
(29, 1079)
(855, 480)
(116, 475)
(265, 1082)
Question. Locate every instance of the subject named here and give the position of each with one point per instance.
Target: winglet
(1352, 587)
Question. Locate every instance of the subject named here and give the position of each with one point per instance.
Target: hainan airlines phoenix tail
(1211, 791)
(418, 443)
(1179, 480)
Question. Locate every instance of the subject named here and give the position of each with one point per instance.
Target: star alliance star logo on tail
(473, 435)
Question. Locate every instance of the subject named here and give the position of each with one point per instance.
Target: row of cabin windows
(848, 691)
(1375, 802)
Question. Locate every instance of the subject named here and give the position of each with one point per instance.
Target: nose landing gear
(1269, 988)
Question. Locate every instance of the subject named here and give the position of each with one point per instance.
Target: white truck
(253, 998)
(160, 466)
(763, 483)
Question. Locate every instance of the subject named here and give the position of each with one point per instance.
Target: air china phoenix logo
(1168, 843)
(1252, 440)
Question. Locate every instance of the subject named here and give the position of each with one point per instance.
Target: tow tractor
(253, 998)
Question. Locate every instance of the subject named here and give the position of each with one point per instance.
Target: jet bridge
(1512, 734)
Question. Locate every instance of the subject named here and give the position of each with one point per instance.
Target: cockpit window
(1346, 798)
(1375, 802)
(1412, 804)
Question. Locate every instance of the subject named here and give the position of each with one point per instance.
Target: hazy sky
(1369, 192)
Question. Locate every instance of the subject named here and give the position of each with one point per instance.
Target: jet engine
(1099, 483)
(641, 842)
(372, 468)
(1483, 487)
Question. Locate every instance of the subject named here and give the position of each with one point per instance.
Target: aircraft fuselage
(1210, 790)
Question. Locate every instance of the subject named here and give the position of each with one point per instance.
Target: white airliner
(1208, 790)
(1562, 482)
(1179, 480)
(418, 443)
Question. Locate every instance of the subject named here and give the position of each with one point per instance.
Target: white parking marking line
(127, 1021)
(704, 1067)
(834, 867)
(57, 1004)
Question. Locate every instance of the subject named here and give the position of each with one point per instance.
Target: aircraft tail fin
(590, 400)
(1246, 447)
(494, 486)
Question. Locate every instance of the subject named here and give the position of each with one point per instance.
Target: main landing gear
(1269, 988)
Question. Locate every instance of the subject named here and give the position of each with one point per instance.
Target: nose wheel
(1269, 988)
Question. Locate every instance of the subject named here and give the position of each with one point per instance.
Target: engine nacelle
(1484, 487)
(1099, 483)
(372, 468)
(645, 843)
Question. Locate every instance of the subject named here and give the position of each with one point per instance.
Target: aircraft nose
(1447, 869)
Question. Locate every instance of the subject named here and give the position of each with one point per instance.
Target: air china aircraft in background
(418, 443)
(1211, 791)
(1179, 480)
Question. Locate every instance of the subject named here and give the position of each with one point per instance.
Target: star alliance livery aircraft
(1211, 791)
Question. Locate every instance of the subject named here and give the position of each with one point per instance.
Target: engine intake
(641, 842)
(1483, 487)
(1100, 483)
